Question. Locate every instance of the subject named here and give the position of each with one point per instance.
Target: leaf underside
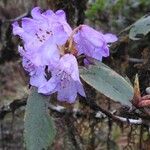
(39, 127)
(140, 28)
(108, 82)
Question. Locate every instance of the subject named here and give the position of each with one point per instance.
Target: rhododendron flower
(43, 34)
(65, 80)
(93, 43)
(49, 50)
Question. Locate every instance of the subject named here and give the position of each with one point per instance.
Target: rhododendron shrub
(50, 51)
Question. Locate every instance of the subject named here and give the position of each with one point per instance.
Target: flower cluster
(49, 51)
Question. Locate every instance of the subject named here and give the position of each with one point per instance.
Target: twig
(126, 29)
(109, 128)
(17, 18)
(2, 136)
(141, 137)
(115, 118)
(130, 121)
(97, 114)
(11, 107)
(71, 131)
(136, 60)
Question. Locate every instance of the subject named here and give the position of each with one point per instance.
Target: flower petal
(93, 36)
(68, 93)
(36, 13)
(60, 35)
(16, 29)
(61, 15)
(38, 79)
(29, 25)
(110, 38)
(80, 89)
(46, 54)
(49, 87)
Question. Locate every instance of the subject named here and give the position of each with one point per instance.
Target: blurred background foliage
(116, 14)
(127, 57)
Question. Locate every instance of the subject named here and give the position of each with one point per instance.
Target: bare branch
(98, 113)
(17, 18)
(130, 121)
(11, 107)
(136, 60)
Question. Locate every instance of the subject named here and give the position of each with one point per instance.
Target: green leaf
(39, 129)
(140, 28)
(108, 82)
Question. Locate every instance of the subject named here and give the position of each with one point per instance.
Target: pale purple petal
(68, 93)
(49, 87)
(80, 89)
(29, 25)
(97, 55)
(16, 29)
(28, 66)
(93, 36)
(49, 13)
(110, 38)
(46, 54)
(38, 79)
(82, 45)
(60, 36)
(67, 28)
(68, 63)
(36, 13)
(61, 15)
(21, 50)
(100, 52)
(19, 31)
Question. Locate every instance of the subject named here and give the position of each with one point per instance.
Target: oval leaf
(140, 28)
(39, 127)
(108, 82)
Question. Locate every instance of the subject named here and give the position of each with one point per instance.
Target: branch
(131, 121)
(136, 60)
(98, 113)
(17, 18)
(115, 118)
(11, 107)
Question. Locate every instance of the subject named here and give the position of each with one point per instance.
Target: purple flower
(48, 50)
(65, 80)
(93, 43)
(43, 34)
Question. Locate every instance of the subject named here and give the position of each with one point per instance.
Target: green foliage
(104, 5)
(39, 127)
(116, 14)
(96, 8)
(108, 82)
(118, 6)
(140, 28)
(145, 2)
